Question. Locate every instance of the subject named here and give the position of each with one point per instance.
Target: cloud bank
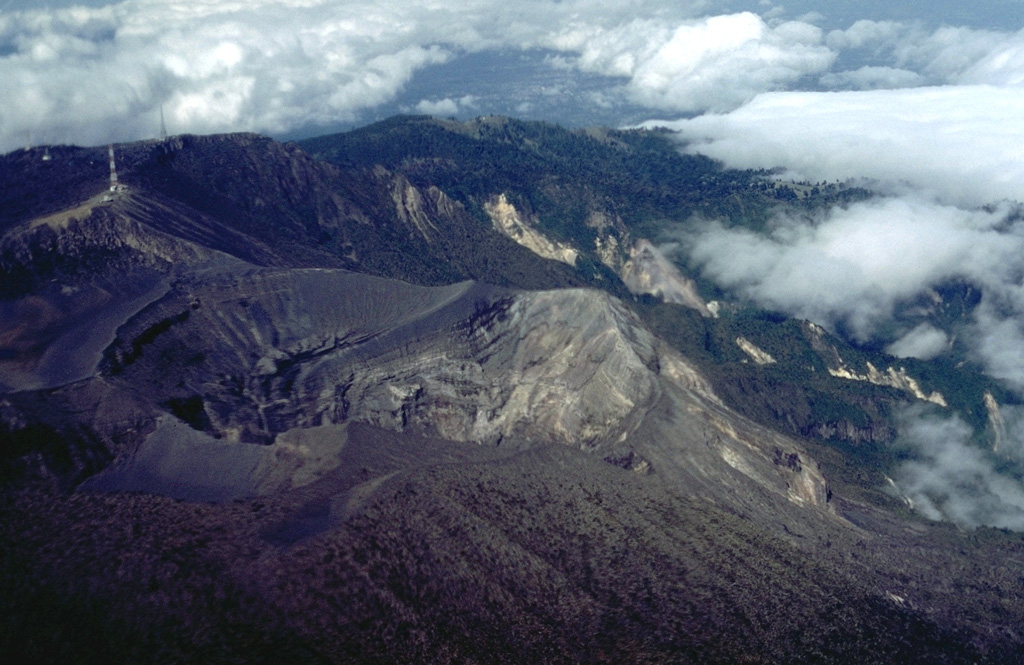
(853, 265)
(958, 144)
(853, 268)
(955, 480)
(91, 74)
(948, 55)
(924, 342)
(940, 112)
(85, 73)
(715, 63)
(97, 73)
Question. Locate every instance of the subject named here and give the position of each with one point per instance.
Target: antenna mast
(113, 169)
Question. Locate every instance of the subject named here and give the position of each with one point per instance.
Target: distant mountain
(428, 392)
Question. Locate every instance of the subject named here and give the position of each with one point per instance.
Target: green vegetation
(190, 410)
(849, 424)
(558, 175)
(417, 550)
(643, 184)
(493, 559)
(147, 337)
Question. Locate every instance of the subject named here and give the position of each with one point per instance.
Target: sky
(922, 102)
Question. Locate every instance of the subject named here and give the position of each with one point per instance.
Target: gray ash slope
(301, 457)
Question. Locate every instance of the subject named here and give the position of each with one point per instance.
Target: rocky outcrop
(756, 353)
(996, 422)
(419, 209)
(844, 430)
(893, 378)
(259, 354)
(508, 221)
(648, 271)
(890, 376)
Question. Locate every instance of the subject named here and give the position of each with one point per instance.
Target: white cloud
(715, 63)
(91, 74)
(998, 331)
(1002, 65)
(866, 33)
(962, 55)
(925, 342)
(441, 107)
(948, 148)
(445, 107)
(854, 265)
(873, 78)
(953, 479)
(960, 143)
(946, 55)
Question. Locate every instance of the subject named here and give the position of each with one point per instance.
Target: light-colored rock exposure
(507, 220)
(894, 378)
(648, 271)
(282, 351)
(756, 353)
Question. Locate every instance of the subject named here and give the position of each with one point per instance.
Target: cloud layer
(715, 63)
(852, 269)
(96, 73)
(948, 55)
(853, 265)
(937, 111)
(954, 479)
(89, 74)
(933, 120)
(215, 66)
(960, 144)
(220, 65)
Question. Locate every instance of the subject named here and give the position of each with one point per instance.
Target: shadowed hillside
(428, 392)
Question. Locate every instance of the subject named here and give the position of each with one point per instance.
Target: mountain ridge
(392, 432)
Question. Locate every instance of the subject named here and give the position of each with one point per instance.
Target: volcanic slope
(260, 353)
(257, 454)
(602, 201)
(436, 202)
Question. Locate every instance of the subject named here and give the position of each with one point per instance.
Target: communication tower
(113, 169)
(114, 185)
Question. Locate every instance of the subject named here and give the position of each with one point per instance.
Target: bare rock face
(251, 357)
(538, 366)
(648, 271)
(693, 437)
(156, 297)
(275, 350)
(890, 376)
(508, 221)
